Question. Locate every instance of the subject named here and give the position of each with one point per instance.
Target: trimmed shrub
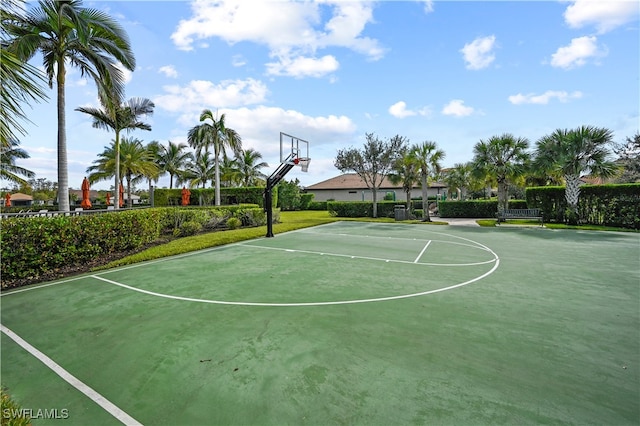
(190, 227)
(317, 205)
(233, 223)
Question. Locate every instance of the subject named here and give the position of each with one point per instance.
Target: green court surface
(346, 323)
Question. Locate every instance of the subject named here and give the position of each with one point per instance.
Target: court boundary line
(85, 389)
(350, 256)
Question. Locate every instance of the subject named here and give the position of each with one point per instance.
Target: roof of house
(19, 196)
(353, 181)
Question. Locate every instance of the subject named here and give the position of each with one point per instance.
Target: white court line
(338, 302)
(422, 252)
(35, 286)
(103, 402)
(322, 253)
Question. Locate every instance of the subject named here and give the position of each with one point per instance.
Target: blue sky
(453, 72)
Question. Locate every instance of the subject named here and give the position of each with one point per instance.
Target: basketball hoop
(303, 163)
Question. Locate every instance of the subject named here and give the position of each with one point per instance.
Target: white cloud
(604, 15)
(292, 30)
(428, 6)
(399, 110)
(303, 66)
(169, 71)
(545, 98)
(577, 53)
(457, 108)
(199, 94)
(479, 53)
(238, 61)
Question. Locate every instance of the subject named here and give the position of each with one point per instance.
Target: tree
(427, 157)
(504, 158)
(629, 160)
(172, 159)
(119, 117)
(201, 170)
(215, 134)
(21, 81)
(459, 179)
(406, 172)
(8, 168)
(373, 163)
(249, 166)
(575, 153)
(67, 33)
(137, 162)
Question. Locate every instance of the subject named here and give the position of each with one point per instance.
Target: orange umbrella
(108, 198)
(121, 203)
(7, 200)
(86, 203)
(186, 194)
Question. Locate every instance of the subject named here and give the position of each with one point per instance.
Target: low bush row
(40, 246)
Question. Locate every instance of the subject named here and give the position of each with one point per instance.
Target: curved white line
(339, 302)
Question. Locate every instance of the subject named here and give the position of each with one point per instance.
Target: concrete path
(457, 221)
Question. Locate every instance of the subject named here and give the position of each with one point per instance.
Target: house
(21, 200)
(350, 187)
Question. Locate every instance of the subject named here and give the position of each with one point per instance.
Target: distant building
(350, 187)
(21, 200)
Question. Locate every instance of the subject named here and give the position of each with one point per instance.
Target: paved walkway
(457, 221)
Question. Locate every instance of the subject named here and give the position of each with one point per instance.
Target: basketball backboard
(294, 151)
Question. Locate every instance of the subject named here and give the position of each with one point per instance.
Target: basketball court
(345, 323)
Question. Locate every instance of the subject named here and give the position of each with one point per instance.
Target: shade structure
(108, 198)
(186, 195)
(121, 203)
(86, 203)
(7, 200)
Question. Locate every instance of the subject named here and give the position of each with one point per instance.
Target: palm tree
(504, 158)
(201, 170)
(21, 82)
(8, 169)
(576, 153)
(459, 179)
(230, 172)
(67, 33)
(427, 157)
(119, 117)
(137, 163)
(215, 134)
(249, 165)
(406, 172)
(172, 159)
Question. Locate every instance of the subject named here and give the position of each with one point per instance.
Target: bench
(519, 214)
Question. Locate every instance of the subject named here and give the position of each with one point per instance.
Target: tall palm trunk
(63, 174)
(116, 198)
(216, 150)
(425, 198)
(572, 194)
(502, 194)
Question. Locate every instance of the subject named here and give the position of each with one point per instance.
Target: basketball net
(303, 163)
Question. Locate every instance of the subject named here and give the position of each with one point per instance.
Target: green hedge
(206, 197)
(362, 208)
(317, 205)
(608, 205)
(36, 246)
